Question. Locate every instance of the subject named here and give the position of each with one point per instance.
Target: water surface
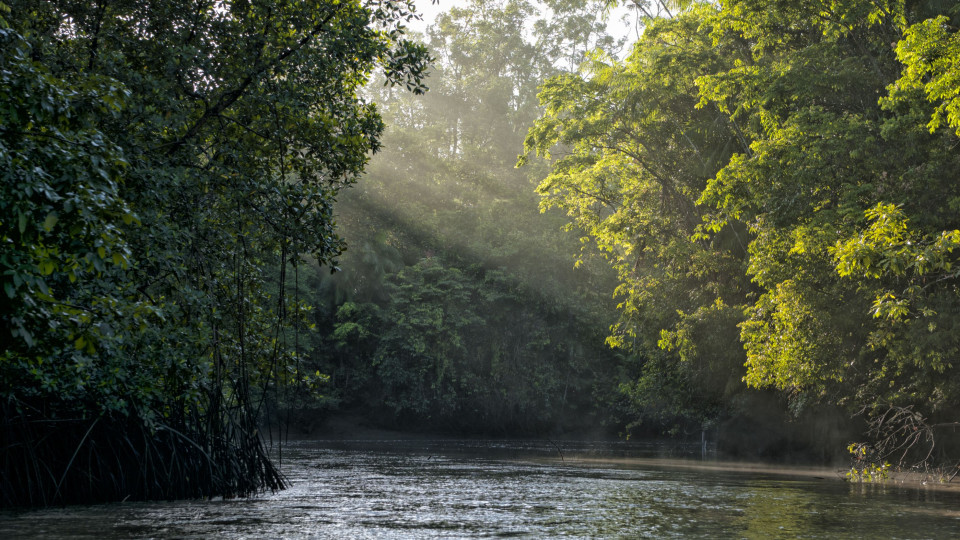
(478, 489)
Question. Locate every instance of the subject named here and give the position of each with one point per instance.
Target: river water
(480, 489)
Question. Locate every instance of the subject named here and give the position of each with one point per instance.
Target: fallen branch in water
(559, 451)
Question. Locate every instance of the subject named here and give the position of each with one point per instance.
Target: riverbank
(904, 479)
(353, 431)
(354, 428)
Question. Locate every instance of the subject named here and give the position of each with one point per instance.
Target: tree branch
(229, 98)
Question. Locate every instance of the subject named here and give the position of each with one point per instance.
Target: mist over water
(479, 489)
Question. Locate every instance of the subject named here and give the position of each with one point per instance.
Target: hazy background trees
(458, 306)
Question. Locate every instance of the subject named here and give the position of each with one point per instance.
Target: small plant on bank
(865, 468)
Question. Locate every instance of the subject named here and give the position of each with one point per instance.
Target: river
(480, 489)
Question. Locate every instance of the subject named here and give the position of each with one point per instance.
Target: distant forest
(225, 219)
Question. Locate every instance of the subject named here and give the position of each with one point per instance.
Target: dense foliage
(780, 175)
(161, 163)
(458, 307)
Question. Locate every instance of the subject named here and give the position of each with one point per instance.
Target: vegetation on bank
(160, 161)
(776, 184)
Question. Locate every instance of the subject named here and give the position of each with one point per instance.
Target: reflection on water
(449, 489)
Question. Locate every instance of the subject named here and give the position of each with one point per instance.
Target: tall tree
(633, 154)
(847, 146)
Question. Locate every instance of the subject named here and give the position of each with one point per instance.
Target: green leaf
(50, 222)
